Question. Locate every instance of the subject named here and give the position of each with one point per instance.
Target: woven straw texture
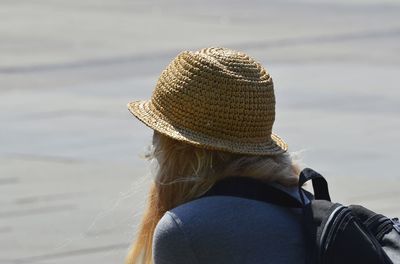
(214, 98)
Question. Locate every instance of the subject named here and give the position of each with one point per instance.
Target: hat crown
(218, 93)
(235, 64)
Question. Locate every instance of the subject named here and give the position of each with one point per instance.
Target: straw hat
(214, 98)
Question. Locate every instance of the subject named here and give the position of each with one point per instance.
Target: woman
(212, 113)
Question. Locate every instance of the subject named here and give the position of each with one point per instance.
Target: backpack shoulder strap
(249, 188)
(320, 185)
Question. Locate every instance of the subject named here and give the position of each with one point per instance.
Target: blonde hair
(186, 172)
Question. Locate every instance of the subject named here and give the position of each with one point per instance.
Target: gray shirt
(225, 229)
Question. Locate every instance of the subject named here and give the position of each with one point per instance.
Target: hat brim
(142, 111)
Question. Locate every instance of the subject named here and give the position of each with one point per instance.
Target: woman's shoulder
(215, 222)
(211, 211)
(170, 243)
(227, 214)
(227, 208)
(224, 215)
(208, 211)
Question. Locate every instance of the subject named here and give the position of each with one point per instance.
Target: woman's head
(212, 112)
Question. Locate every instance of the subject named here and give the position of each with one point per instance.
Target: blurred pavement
(72, 183)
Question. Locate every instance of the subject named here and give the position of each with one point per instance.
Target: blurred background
(72, 180)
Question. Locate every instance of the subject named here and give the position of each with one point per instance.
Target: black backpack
(335, 233)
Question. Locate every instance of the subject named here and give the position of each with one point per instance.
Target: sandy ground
(72, 183)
